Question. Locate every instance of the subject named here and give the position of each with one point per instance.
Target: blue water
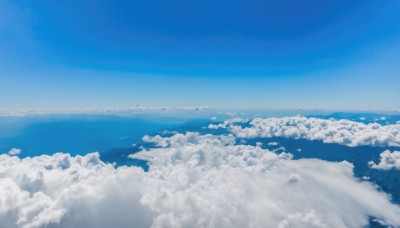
(114, 137)
(76, 134)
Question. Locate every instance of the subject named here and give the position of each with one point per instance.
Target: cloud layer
(388, 160)
(65, 191)
(345, 132)
(193, 181)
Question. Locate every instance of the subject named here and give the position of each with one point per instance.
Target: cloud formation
(14, 151)
(388, 160)
(193, 180)
(344, 132)
(65, 191)
(227, 123)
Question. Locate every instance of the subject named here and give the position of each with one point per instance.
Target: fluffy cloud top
(345, 132)
(14, 151)
(193, 181)
(227, 123)
(65, 191)
(388, 161)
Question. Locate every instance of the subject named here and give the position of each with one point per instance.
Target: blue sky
(225, 54)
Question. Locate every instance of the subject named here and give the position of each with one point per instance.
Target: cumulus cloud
(227, 123)
(273, 143)
(193, 180)
(190, 138)
(65, 191)
(345, 132)
(388, 160)
(14, 151)
(213, 182)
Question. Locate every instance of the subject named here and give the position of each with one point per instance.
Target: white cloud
(273, 143)
(345, 132)
(193, 181)
(227, 123)
(206, 173)
(70, 191)
(388, 161)
(190, 138)
(281, 148)
(14, 151)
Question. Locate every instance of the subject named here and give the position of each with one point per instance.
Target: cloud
(14, 151)
(273, 143)
(205, 173)
(190, 138)
(79, 191)
(227, 123)
(389, 160)
(193, 180)
(345, 132)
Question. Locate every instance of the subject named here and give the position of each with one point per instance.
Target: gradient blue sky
(226, 54)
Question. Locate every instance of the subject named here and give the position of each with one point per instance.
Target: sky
(225, 54)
